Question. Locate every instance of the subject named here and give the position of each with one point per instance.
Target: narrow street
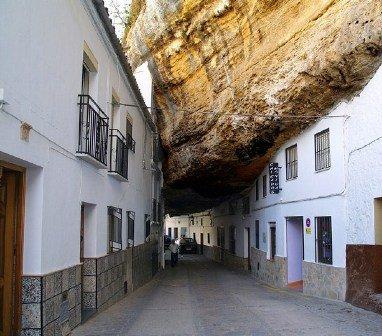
(200, 297)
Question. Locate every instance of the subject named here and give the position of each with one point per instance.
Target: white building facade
(318, 225)
(77, 167)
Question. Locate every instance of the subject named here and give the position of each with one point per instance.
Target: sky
(113, 7)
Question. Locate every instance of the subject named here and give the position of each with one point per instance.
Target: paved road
(199, 297)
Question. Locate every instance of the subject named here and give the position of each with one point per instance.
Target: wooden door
(8, 217)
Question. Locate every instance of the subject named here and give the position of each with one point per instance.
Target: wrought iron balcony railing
(93, 130)
(130, 142)
(119, 154)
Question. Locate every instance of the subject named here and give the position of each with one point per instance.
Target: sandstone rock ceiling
(235, 79)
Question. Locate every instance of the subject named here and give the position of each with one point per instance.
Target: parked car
(167, 242)
(188, 245)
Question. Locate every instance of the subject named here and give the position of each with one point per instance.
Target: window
(154, 209)
(169, 232)
(291, 162)
(115, 229)
(183, 231)
(232, 239)
(265, 186)
(129, 128)
(85, 80)
(257, 189)
(147, 225)
(208, 238)
(324, 239)
(246, 208)
(272, 241)
(257, 232)
(176, 234)
(322, 150)
(220, 237)
(130, 228)
(194, 235)
(201, 221)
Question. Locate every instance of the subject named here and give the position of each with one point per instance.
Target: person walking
(174, 252)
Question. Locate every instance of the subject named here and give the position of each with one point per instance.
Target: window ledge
(118, 177)
(89, 159)
(322, 170)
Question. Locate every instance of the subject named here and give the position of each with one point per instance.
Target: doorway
(295, 250)
(201, 243)
(248, 233)
(11, 228)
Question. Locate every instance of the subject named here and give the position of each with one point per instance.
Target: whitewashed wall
(41, 55)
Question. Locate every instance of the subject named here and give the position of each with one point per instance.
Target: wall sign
(274, 183)
(307, 222)
(308, 229)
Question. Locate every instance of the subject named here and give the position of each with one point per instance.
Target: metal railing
(119, 154)
(130, 142)
(93, 129)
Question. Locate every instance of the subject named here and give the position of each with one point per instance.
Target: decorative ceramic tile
(31, 291)
(72, 277)
(89, 300)
(51, 309)
(31, 315)
(48, 286)
(65, 280)
(31, 332)
(89, 266)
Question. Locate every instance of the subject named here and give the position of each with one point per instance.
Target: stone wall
(103, 280)
(324, 280)
(364, 276)
(51, 304)
(144, 263)
(235, 262)
(271, 272)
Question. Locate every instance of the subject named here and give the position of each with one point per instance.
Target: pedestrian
(174, 252)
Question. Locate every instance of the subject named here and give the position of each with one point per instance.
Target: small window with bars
(246, 207)
(322, 150)
(257, 192)
(130, 228)
(272, 241)
(115, 229)
(291, 162)
(232, 239)
(324, 240)
(265, 186)
(257, 232)
(147, 225)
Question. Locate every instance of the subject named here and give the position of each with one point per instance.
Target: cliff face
(235, 79)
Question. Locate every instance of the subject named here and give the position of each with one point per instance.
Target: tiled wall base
(271, 272)
(324, 280)
(103, 280)
(225, 257)
(51, 304)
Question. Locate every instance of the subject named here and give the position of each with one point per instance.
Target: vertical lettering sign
(274, 185)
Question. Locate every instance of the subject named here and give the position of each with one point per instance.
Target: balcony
(130, 142)
(119, 155)
(93, 132)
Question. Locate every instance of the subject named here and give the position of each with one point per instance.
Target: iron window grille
(154, 210)
(115, 229)
(119, 154)
(257, 234)
(322, 150)
(129, 135)
(93, 129)
(130, 228)
(246, 207)
(324, 240)
(291, 162)
(147, 225)
(257, 192)
(232, 239)
(265, 186)
(272, 243)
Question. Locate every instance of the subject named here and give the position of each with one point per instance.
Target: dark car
(188, 245)
(167, 242)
